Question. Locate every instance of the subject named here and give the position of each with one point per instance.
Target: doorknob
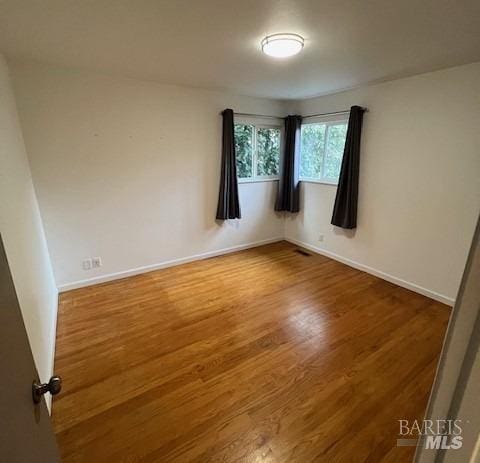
(54, 386)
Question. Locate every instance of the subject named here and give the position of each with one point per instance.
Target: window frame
(259, 123)
(328, 121)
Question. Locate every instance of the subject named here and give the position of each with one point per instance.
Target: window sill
(257, 180)
(322, 182)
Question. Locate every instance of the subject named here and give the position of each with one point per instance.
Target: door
(456, 387)
(26, 434)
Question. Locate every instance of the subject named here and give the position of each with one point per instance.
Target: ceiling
(216, 43)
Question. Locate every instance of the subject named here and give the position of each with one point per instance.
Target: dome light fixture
(282, 45)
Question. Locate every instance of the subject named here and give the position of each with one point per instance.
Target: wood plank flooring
(265, 355)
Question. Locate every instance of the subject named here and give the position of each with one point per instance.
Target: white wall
(129, 170)
(23, 236)
(419, 180)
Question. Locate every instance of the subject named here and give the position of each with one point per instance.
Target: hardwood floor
(265, 355)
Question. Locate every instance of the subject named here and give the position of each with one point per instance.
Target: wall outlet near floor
(321, 237)
(94, 262)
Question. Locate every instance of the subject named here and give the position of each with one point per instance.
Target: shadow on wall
(347, 233)
(300, 218)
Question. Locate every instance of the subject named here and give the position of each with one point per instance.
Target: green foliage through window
(268, 151)
(321, 150)
(244, 149)
(257, 151)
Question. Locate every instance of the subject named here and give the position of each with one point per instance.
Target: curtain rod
(266, 116)
(257, 115)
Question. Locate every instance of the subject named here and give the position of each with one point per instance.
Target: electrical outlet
(87, 264)
(96, 262)
(321, 237)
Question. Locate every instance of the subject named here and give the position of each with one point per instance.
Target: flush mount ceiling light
(282, 45)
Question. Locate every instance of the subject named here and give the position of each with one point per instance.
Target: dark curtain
(228, 204)
(288, 197)
(345, 208)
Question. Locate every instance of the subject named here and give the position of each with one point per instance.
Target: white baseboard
(166, 264)
(378, 273)
(183, 260)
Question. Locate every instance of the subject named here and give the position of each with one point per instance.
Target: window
(321, 150)
(258, 151)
